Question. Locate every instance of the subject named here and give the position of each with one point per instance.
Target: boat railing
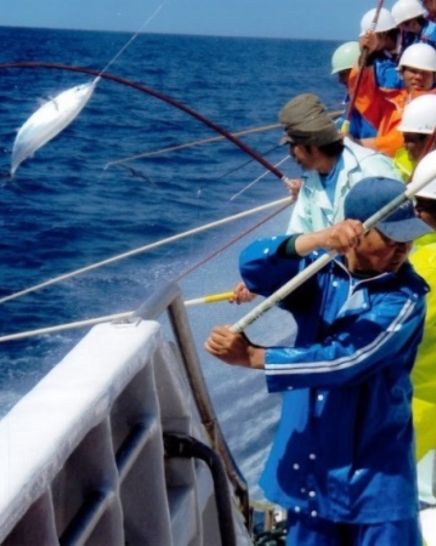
(169, 299)
(119, 444)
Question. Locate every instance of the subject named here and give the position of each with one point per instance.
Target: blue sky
(335, 19)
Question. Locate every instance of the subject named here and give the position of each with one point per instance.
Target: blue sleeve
(428, 34)
(387, 334)
(264, 270)
(387, 75)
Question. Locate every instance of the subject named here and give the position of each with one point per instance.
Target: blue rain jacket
(386, 72)
(343, 450)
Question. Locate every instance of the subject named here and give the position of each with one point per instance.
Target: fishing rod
(191, 144)
(345, 129)
(157, 94)
(424, 174)
(334, 114)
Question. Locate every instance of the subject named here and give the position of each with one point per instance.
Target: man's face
(343, 76)
(414, 144)
(416, 79)
(302, 155)
(426, 210)
(376, 253)
(412, 25)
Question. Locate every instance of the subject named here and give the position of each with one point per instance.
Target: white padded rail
(82, 459)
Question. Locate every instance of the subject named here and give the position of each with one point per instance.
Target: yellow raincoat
(404, 164)
(424, 372)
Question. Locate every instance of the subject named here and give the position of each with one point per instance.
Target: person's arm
(387, 143)
(369, 101)
(340, 238)
(384, 335)
(236, 348)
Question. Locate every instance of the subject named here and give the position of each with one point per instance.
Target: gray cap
(306, 121)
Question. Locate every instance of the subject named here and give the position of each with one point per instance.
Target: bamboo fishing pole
(424, 174)
(345, 129)
(333, 114)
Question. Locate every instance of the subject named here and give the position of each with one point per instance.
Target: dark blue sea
(66, 209)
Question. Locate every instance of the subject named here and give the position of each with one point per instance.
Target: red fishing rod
(345, 129)
(157, 94)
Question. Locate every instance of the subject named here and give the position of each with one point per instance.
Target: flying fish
(49, 120)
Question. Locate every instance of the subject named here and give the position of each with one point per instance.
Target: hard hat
(425, 170)
(345, 56)
(421, 56)
(429, 191)
(404, 10)
(419, 115)
(385, 21)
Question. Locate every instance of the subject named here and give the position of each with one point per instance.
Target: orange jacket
(383, 108)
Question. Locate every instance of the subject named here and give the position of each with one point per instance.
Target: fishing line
(256, 180)
(55, 115)
(232, 241)
(142, 249)
(132, 38)
(282, 203)
(240, 167)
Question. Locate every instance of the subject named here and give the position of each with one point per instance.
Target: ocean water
(66, 208)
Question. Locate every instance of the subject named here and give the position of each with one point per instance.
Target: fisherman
(384, 58)
(423, 259)
(343, 59)
(410, 17)
(342, 460)
(417, 125)
(384, 107)
(332, 164)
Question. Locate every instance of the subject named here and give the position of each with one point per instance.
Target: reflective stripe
(346, 361)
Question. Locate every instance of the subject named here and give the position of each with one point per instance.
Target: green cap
(306, 121)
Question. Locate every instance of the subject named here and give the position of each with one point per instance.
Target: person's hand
(293, 185)
(241, 294)
(340, 238)
(370, 41)
(234, 348)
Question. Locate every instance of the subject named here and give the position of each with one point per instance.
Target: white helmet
(429, 191)
(419, 115)
(425, 170)
(404, 10)
(421, 56)
(385, 21)
(345, 56)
